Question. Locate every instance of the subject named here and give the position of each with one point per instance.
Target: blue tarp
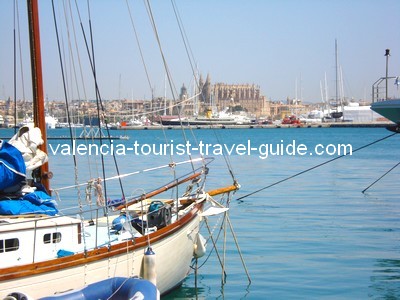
(12, 178)
(37, 202)
(12, 166)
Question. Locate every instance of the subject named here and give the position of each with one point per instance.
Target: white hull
(173, 246)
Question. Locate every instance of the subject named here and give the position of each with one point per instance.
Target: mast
(337, 114)
(165, 95)
(37, 84)
(336, 73)
(387, 54)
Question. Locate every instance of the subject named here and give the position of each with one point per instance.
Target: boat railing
(379, 89)
(93, 225)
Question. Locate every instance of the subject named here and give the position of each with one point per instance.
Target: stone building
(218, 97)
(221, 96)
(246, 96)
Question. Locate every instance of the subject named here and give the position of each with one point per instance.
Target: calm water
(315, 236)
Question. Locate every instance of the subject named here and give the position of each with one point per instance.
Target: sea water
(315, 236)
(308, 233)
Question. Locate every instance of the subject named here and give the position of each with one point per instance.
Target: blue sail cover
(37, 202)
(12, 178)
(12, 166)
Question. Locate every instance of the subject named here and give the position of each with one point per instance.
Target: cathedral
(222, 96)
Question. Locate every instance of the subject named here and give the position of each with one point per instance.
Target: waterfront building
(222, 96)
(246, 96)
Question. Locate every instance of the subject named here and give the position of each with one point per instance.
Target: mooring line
(381, 177)
(312, 168)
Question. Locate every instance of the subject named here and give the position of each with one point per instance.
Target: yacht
(390, 109)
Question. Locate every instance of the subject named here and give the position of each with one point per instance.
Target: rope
(66, 101)
(381, 177)
(185, 40)
(191, 61)
(15, 72)
(88, 192)
(209, 160)
(17, 27)
(101, 115)
(138, 45)
(98, 189)
(312, 168)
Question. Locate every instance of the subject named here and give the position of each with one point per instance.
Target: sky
(286, 47)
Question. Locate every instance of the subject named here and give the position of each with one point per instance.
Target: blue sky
(276, 44)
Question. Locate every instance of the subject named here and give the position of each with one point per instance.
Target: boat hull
(195, 122)
(390, 109)
(203, 121)
(173, 246)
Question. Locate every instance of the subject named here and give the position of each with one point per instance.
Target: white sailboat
(338, 104)
(44, 253)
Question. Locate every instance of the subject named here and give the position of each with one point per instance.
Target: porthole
(54, 237)
(9, 245)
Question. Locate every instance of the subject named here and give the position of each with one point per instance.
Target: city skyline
(285, 47)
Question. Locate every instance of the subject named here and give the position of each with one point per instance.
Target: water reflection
(188, 291)
(385, 282)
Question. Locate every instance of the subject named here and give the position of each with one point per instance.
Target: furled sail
(18, 157)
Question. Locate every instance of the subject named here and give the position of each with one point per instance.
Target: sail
(27, 140)
(18, 156)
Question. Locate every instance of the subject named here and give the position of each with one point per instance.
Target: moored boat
(390, 109)
(382, 104)
(45, 252)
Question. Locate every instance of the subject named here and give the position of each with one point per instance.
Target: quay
(216, 126)
(260, 126)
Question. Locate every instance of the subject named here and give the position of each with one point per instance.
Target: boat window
(9, 245)
(54, 237)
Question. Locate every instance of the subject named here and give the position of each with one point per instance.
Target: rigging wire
(188, 49)
(222, 231)
(98, 101)
(214, 248)
(66, 99)
(77, 54)
(20, 56)
(100, 107)
(391, 169)
(15, 71)
(191, 59)
(168, 74)
(185, 40)
(172, 163)
(17, 28)
(224, 154)
(67, 11)
(77, 116)
(312, 168)
(166, 68)
(63, 77)
(82, 77)
(71, 55)
(138, 44)
(172, 168)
